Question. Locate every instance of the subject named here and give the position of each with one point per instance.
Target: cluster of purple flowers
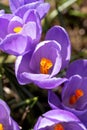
(40, 62)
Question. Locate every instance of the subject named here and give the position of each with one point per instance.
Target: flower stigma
(45, 65)
(58, 127)
(78, 93)
(1, 126)
(17, 29)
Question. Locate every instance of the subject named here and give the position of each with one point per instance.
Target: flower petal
(15, 44)
(40, 7)
(77, 67)
(59, 34)
(3, 27)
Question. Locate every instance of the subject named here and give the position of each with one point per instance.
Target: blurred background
(28, 102)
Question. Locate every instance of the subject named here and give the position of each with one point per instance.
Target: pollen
(72, 99)
(1, 127)
(58, 127)
(17, 29)
(78, 93)
(45, 65)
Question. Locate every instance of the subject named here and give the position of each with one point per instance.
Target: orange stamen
(59, 127)
(78, 93)
(72, 99)
(1, 127)
(45, 65)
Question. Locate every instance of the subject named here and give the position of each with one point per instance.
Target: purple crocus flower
(77, 67)
(24, 27)
(73, 97)
(58, 120)
(42, 66)
(19, 35)
(6, 121)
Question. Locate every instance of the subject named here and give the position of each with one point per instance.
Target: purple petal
(53, 117)
(18, 3)
(74, 126)
(50, 83)
(77, 67)
(15, 44)
(53, 100)
(59, 34)
(61, 115)
(42, 80)
(28, 29)
(4, 110)
(21, 67)
(42, 123)
(30, 1)
(3, 27)
(41, 8)
(32, 24)
(14, 4)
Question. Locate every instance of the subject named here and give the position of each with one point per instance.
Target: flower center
(45, 65)
(78, 93)
(1, 127)
(59, 127)
(17, 29)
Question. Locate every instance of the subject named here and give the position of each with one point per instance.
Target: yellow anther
(1, 127)
(45, 65)
(17, 29)
(58, 127)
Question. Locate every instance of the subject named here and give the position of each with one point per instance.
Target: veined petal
(3, 27)
(60, 35)
(40, 7)
(17, 3)
(77, 67)
(15, 44)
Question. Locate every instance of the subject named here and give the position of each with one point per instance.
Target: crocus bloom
(77, 67)
(6, 121)
(24, 27)
(41, 66)
(20, 34)
(58, 120)
(73, 97)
